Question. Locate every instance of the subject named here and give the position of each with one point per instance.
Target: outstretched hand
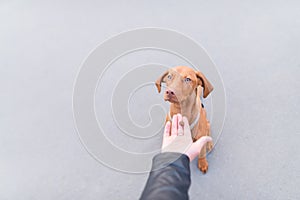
(177, 138)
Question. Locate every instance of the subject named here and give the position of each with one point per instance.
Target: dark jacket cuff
(176, 159)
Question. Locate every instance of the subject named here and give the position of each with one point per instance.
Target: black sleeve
(169, 178)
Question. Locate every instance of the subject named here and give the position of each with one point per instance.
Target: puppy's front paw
(203, 165)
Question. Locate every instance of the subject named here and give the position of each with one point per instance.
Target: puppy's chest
(195, 132)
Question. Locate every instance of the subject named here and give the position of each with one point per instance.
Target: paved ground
(255, 45)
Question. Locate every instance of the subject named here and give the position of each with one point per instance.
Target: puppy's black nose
(170, 92)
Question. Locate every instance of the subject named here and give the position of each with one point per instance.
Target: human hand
(178, 138)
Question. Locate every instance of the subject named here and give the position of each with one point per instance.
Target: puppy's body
(184, 88)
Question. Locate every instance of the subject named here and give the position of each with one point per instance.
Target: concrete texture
(255, 45)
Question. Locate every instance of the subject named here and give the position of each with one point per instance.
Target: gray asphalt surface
(254, 44)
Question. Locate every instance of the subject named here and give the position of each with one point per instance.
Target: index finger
(186, 129)
(180, 127)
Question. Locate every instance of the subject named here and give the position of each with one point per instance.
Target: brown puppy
(184, 87)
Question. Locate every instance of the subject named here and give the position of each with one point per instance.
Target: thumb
(197, 146)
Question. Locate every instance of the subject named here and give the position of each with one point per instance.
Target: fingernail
(181, 123)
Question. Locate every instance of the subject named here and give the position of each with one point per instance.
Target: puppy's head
(182, 82)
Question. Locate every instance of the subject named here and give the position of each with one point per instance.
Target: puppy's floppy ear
(207, 87)
(160, 80)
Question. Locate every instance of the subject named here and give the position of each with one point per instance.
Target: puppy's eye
(169, 76)
(187, 80)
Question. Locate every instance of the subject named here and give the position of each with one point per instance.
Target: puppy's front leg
(202, 162)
